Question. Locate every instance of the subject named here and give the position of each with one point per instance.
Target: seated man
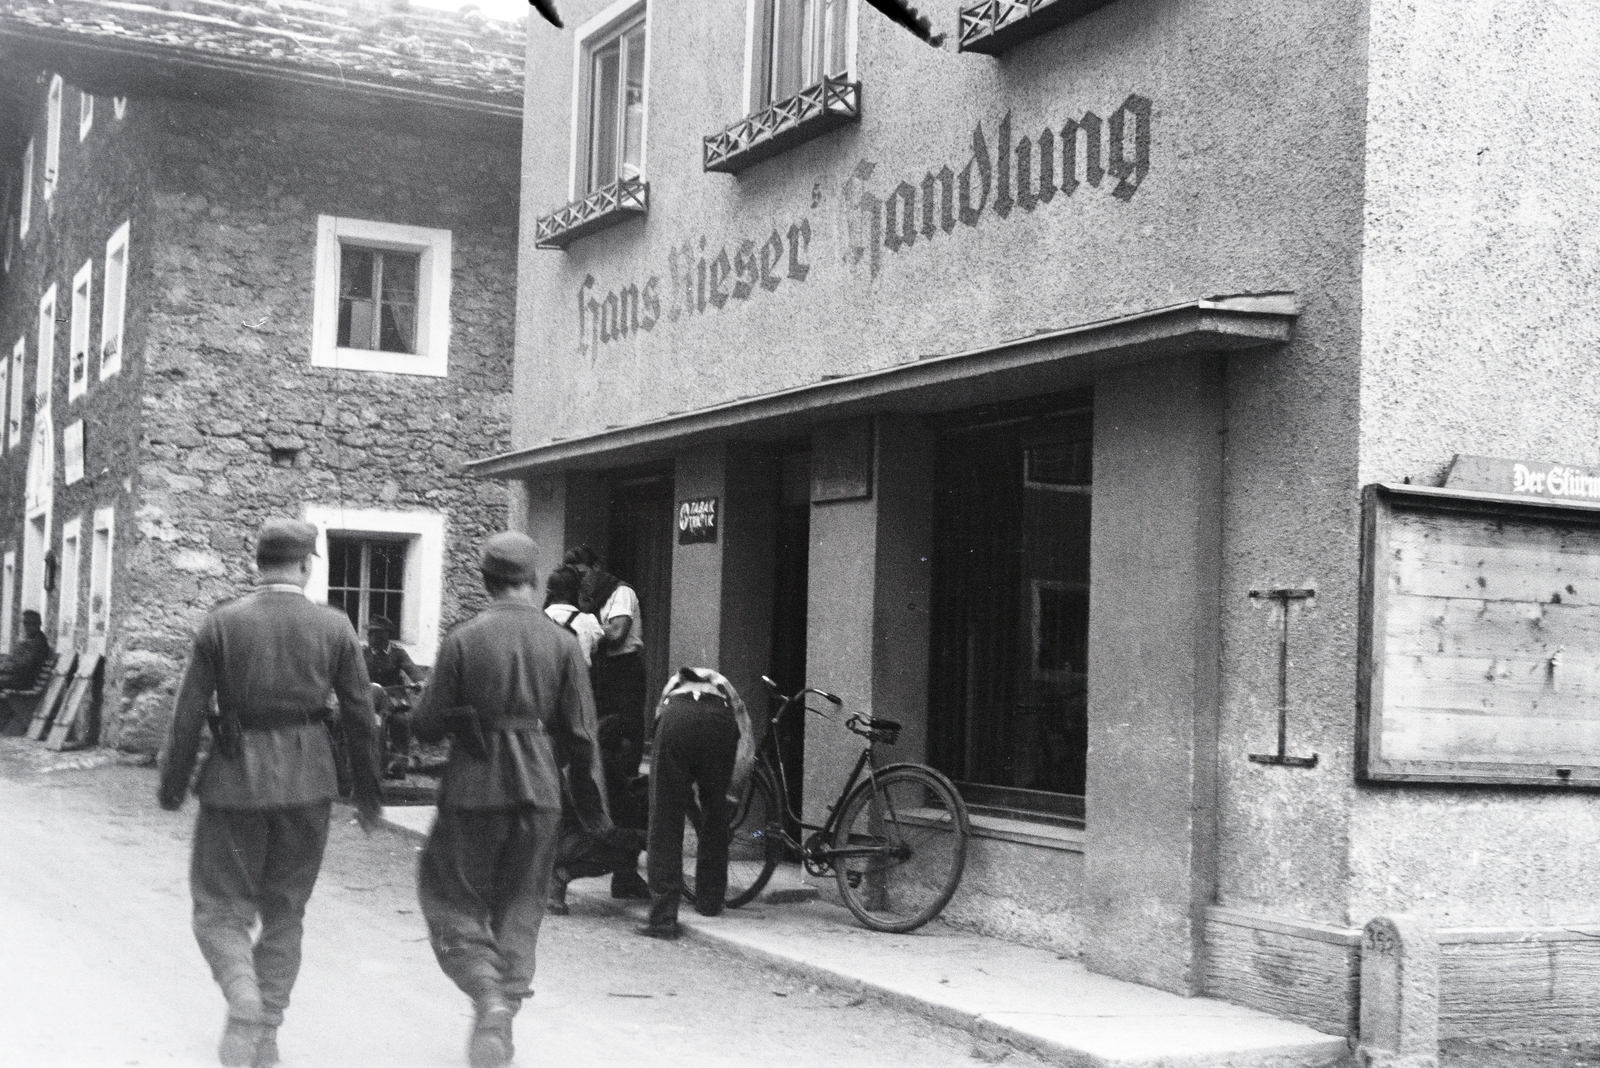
(21, 668)
(391, 670)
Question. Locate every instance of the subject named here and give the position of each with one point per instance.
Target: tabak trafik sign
(1005, 171)
(697, 520)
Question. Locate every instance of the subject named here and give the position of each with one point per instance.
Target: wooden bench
(17, 704)
(43, 706)
(79, 695)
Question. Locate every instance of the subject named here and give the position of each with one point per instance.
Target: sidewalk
(1026, 997)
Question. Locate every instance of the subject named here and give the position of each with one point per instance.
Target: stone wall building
(1039, 380)
(259, 260)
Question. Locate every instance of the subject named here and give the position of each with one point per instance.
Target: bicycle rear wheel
(904, 836)
(754, 846)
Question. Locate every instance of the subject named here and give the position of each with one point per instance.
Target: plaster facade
(1359, 155)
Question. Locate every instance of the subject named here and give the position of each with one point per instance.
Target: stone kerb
(1399, 994)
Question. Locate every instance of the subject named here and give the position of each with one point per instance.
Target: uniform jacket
(272, 652)
(511, 661)
(703, 682)
(392, 667)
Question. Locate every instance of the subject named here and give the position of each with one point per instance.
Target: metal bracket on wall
(1282, 757)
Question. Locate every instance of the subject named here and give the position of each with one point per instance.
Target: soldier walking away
(270, 658)
(702, 746)
(511, 689)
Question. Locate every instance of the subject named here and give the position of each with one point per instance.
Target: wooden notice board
(1480, 639)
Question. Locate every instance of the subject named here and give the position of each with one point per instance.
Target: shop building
(1035, 384)
(259, 261)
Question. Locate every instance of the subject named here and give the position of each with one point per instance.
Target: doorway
(639, 552)
(790, 589)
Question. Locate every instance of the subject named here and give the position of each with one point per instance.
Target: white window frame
(119, 107)
(8, 595)
(52, 138)
(82, 302)
(38, 506)
(67, 605)
(6, 363)
(85, 113)
(45, 371)
(755, 47)
(433, 248)
(19, 359)
(111, 327)
(25, 211)
(72, 453)
(9, 240)
(585, 41)
(424, 579)
(101, 575)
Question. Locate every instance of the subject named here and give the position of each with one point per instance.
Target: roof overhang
(138, 68)
(1040, 364)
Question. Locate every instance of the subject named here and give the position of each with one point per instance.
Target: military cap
(510, 557)
(380, 623)
(285, 540)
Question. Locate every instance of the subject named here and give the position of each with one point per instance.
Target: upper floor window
(382, 301)
(114, 303)
(26, 208)
(613, 80)
(45, 372)
(52, 138)
(798, 43)
(19, 356)
(78, 372)
(85, 114)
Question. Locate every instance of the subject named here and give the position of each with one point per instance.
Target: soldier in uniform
(511, 689)
(270, 658)
(391, 669)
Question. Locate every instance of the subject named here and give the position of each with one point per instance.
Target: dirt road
(98, 966)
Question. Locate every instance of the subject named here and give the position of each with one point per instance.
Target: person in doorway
(270, 659)
(512, 691)
(619, 694)
(562, 591)
(21, 668)
(702, 746)
(392, 670)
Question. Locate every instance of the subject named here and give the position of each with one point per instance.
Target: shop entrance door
(1008, 704)
(640, 553)
(791, 561)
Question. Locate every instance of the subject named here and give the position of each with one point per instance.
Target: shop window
(67, 614)
(613, 81)
(78, 368)
(52, 138)
(100, 575)
(1009, 710)
(374, 563)
(45, 372)
(85, 114)
(8, 595)
(19, 355)
(25, 208)
(382, 300)
(799, 43)
(114, 303)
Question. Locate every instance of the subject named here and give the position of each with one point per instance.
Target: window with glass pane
(804, 43)
(616, 106)
(378, 299)
(366, 578)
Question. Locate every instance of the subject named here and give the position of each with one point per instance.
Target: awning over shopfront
(1037, 365)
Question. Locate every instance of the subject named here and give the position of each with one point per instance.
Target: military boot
(266, 1048)
(242, 1031)
(490, 1045)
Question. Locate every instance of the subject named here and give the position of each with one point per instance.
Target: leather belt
(278, 721)
(507, 723)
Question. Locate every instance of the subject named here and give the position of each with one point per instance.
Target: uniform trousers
(249, 864)
(482, 882)
(695, 745)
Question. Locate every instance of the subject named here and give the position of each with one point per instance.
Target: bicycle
(895, 840)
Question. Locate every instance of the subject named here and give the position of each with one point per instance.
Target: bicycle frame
(816, 848)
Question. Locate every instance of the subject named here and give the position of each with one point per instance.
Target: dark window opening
(1009, 712)
(378, 299)
(366, 578)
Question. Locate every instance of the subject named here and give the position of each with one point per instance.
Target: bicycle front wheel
(753, 843)
(901, 847)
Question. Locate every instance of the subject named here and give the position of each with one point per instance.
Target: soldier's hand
(170, 803)
(370, 819)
